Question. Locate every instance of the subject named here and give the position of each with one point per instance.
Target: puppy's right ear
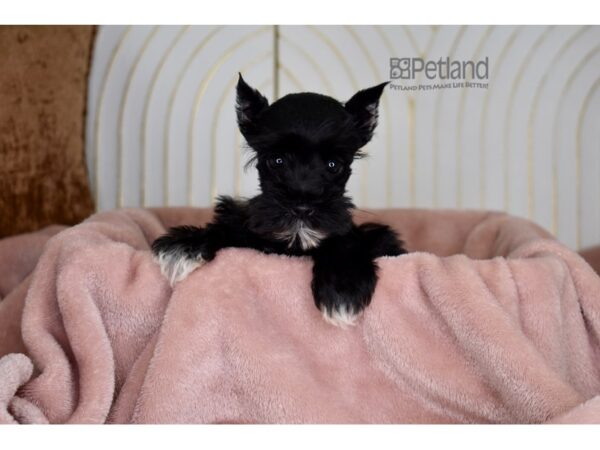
(249, 104)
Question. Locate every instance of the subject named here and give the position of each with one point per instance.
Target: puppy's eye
(276, 162)
(333, 166)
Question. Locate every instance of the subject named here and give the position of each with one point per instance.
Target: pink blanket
(489, 320)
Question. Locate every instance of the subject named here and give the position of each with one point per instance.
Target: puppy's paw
(180, 252)
(176, 265)
(341, 296)
(342, 316)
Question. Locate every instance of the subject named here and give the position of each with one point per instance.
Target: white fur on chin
(307, 237)
(341, 317)
(176, 266)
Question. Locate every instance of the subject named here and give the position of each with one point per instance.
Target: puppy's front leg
(183, 249)
(345, 271)
(344, 278)
(179, 252)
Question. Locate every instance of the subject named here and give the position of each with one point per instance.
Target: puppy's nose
(303, 211)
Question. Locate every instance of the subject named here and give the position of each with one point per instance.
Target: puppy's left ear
(249, 104)
(363, 107)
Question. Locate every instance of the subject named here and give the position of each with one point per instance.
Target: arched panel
(161, 125)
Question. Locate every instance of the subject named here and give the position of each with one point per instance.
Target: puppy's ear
(249, 104)
(363, 107)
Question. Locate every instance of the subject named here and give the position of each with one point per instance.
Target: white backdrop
(161, 125)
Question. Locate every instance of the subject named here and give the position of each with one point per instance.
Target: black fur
(303, 145)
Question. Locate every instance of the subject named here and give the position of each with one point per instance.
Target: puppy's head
(304, 145)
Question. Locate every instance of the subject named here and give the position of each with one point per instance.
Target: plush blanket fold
(487, 320)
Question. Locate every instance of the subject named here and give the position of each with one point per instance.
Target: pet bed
(488, 320)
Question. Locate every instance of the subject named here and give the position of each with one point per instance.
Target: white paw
(342, 316)
(176, 266)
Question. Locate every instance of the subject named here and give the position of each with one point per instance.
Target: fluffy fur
(303, 147)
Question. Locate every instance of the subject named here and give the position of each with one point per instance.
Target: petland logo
(447, 73)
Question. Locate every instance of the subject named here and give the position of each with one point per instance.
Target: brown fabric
(43, 85)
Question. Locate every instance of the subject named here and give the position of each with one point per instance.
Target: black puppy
(304, 145)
